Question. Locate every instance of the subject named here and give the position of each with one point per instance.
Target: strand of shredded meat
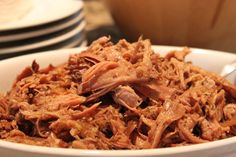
(118, 96)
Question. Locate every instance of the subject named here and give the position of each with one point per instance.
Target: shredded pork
(118, 96)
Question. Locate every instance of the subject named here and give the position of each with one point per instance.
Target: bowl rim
(154, 47)
(119, 153)
(105, 153)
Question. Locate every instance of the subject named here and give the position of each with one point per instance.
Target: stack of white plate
(45, 25)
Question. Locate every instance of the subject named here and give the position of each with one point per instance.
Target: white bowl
(208, 59)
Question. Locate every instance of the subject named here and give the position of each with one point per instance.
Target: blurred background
(28, 26)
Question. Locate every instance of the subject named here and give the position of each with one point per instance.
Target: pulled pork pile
(121, 96)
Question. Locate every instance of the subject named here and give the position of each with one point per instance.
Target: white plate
(208, 59)
(83, 44)
(44, 43)
(75, 43)
(45, 11)
(43, 31)
(69, 43)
